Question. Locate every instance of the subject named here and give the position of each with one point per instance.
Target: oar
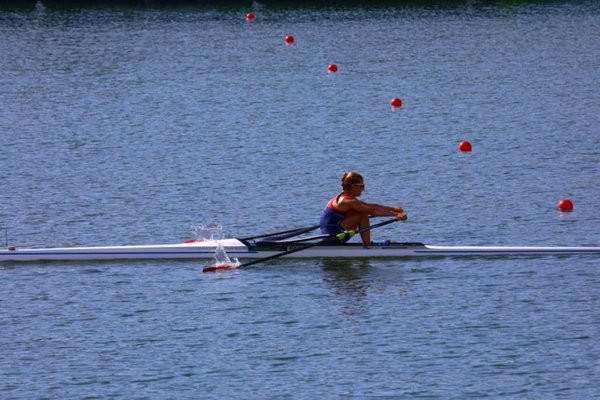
(280, 239)
(288, 233)
(339, 236)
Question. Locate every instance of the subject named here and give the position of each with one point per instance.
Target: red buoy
(332, 68)
(465, 146)
(565, 205)
(396, 102)
(289, 39)
(250, 17)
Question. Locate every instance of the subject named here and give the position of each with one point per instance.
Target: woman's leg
(358, 221)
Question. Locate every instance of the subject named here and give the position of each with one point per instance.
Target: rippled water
(127, 126)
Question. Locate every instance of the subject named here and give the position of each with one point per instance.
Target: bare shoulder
(346, 203)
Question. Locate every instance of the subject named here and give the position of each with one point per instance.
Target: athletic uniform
(331, 218)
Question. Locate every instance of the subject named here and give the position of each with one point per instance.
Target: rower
(345, 212)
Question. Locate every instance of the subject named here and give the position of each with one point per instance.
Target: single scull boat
(246, 249)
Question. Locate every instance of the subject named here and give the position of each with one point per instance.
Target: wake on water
(214, 231)
(221, 257)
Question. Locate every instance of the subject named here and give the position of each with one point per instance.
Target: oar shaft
(286, 234)
(290, 232)
(244, 265)
(275, 241)
(339, 236)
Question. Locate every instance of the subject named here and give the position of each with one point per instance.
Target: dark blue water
(128, 126)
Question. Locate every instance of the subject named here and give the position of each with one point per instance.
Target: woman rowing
(346, 212)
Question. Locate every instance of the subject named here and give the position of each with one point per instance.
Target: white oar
(341, 237)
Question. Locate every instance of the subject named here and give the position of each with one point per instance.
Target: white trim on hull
(236, 248)
(200, 249)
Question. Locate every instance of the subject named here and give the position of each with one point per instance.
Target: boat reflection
(347, 277)
(360, 282)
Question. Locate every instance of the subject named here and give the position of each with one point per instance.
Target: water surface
(129, 126)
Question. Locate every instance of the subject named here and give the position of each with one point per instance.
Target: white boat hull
(236, 248)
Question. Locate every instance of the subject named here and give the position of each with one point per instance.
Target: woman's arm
(372, 209)
(378, 210)
(386, 209)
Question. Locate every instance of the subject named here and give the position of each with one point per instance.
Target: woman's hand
(401, 216)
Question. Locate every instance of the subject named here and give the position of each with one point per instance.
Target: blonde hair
(351, 178)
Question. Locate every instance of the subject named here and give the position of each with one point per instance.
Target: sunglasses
(362, 185)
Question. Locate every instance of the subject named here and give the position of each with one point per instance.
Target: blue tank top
(331, 218)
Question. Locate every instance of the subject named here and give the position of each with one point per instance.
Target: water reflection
(361, 282)
(347, 277)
